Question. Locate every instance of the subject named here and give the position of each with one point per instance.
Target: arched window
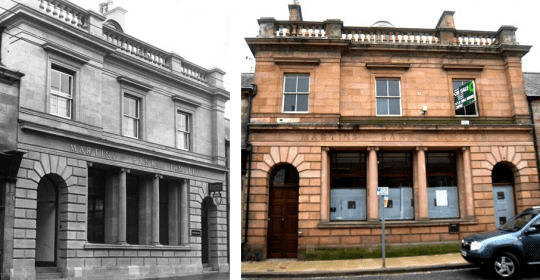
(502, 174)
(285, 175)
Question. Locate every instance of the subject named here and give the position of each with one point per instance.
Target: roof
(532, 84)
(247, 80)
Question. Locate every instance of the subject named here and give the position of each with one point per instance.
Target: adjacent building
(113, 151)
(438, 116)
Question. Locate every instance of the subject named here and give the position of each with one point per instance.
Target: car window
(518, 222)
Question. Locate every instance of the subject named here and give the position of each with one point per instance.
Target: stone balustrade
(194, 71)
(136, 47)
(390, 35)
(476, 38)
(332, 29)
(300, 29)
(66, 11)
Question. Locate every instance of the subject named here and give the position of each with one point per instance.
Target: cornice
(134, 83)
(9, 77)
(80, 58)
(132, 63)
(52, 25)
(462, 67)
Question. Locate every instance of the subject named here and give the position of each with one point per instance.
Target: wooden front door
(283, 223)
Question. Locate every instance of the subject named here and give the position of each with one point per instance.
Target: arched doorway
(46, 222)
(283, 213)
(502, 178)
(208, 226)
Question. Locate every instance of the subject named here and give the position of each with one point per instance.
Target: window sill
(95, 246)
(396, 223)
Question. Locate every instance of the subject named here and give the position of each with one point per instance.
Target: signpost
(382, 192)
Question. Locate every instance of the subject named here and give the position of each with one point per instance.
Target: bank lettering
(185, 170)
(105, 154)
(143, 162)
(93, 152)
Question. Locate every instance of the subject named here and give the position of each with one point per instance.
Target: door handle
(282, 222)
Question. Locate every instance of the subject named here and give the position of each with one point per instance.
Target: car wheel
(505, 266)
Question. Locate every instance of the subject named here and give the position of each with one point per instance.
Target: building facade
(117, 150)
(439, 116)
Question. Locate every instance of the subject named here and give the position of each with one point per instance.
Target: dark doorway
(283, 213)
(46, 222)
(205, 240)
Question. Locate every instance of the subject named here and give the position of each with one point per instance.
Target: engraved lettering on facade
(92, 152)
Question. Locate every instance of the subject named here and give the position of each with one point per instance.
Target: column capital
(159, 176)
(325, 149)
(465, 148)
(421, 149)
(89, 163)
(125, 170)
(373, 149)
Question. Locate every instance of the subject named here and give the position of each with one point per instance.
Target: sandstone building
(113, 151)
(439, 116)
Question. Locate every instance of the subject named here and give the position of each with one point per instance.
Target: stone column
(373, 182)
(467, 177)
(422, 183)
(325, 186)
(155, 209)
(184, 212)
(122, 202)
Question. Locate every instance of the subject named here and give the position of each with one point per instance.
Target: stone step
(50, 276)
(49, 273)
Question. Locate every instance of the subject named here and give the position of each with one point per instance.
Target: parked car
(505, 251)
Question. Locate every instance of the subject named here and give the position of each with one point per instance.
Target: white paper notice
(442, 197)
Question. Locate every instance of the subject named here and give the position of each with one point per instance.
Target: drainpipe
(530, 100)
(250, 149)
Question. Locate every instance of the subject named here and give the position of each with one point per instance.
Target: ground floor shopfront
(313, 189)
(87, 209)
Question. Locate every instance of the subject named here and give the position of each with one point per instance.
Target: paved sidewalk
(294, 268)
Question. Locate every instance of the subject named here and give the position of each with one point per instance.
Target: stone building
(439, 116)
(114, 151)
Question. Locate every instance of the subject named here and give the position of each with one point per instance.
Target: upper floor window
(388, 93)
(465, 97)
(131, 125)
(296, 93)
(182, 130)
(61, 93)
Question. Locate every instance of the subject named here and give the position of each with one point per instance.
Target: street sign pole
(383, 233)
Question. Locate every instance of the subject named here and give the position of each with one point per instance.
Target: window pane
(470, 110)
(131, 107)
(54, 104)
(66, 84)
(382, 106)
(382, 89)
(290, 103)
(303, 100)
(290, 83)
(55, 80)
(393, 86)
(183, 140)
(182, 122)
(394, 108)
(303, 83)
(131, 127)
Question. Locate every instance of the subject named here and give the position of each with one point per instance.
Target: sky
(469, 15)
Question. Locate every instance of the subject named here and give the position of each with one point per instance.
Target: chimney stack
(295, 11)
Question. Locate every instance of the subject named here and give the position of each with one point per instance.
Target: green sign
(464, 95)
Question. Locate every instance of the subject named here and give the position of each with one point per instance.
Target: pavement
(290, 268)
